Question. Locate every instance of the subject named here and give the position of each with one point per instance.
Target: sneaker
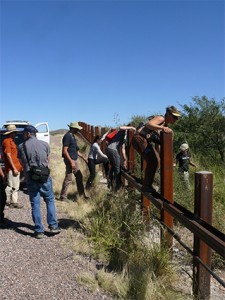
(38, 235)
(63, 199)
(55, 230)
(16, 205)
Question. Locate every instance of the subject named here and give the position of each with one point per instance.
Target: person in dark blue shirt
(71, 154)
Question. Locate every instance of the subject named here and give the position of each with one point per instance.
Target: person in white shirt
(96, 157)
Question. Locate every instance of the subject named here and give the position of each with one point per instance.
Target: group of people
(34, 152)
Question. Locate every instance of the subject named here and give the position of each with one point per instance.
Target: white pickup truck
(43, 128)
(42, 134)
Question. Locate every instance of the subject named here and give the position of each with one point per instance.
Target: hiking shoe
(38, 235)
(16, 205)
(55, 230)
(63, 199)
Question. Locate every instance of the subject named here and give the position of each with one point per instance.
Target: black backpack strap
(25, 152)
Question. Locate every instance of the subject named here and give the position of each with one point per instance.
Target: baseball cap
(30, 129)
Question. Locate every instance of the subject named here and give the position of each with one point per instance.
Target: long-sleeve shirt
(95, 152)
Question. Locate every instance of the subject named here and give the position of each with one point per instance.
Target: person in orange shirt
(12, 167)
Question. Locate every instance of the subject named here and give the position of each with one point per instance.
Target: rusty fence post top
(203, 172)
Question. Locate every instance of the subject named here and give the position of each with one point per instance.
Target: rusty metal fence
(206, 237)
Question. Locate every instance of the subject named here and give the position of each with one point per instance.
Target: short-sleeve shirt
(37, 152)
(9, 146)
(184, 161)
(70, 141)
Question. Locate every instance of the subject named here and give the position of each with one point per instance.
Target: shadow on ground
(68, 223)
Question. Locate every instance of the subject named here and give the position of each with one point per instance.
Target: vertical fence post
(203, 210)
(97, 130)
(166, 178)
(88, 132)
(131, 153)
(103, 144)
(92, 133)
(145, 201)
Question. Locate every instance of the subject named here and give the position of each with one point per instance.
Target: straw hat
(173, 110)
(11, 128)
(184, 147)
(75, 125)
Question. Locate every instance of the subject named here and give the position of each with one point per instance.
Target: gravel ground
(39, 269)
(46, 269)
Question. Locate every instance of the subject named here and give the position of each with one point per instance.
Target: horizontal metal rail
(177, 237)
(208, 234)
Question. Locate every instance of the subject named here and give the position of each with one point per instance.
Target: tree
(202, 126)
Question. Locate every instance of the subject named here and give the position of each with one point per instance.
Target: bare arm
(67, 156)
(127, 128)
(2, 175)
(123, 151)
(192, 164)
(81, 156)
(14, 169)
(157, 123)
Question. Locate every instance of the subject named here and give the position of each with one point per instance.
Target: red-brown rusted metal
(202, 210)
(92, 133)
(97, 130)
(166, 178)
(131, 152)
(145, 200)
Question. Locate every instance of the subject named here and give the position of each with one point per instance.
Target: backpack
(110, 136)
(143, 123)
(150, 137)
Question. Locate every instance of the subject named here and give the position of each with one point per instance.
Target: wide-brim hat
(174, 111)
(184, 147)
(75, 125)
(10, 129)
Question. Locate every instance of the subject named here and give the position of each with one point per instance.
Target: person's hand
(167, 130)
(125, 164)
(73, 166)
(15, 172)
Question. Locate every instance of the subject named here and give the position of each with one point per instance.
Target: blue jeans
(36, 191)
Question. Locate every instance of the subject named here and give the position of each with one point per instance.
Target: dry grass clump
(112, 230)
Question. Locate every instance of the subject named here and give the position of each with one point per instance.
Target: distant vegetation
(111, 227)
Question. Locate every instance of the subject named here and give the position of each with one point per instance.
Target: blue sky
(102, 62)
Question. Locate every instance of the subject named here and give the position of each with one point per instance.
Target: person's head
(11, 131)
(97, 139)
(29, 131)
(172, 115)
(184, 147)
(74, 127)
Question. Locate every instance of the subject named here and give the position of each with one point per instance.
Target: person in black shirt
(183, 159)
(71, 154)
